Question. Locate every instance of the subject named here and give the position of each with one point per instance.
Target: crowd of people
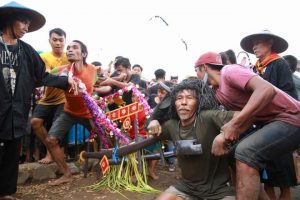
(233, 127)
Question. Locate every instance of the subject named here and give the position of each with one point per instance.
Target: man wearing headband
(21, 70)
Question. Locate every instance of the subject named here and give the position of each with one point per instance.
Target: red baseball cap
(209, 58)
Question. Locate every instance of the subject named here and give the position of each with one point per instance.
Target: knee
(51, 142)
(247, 157)
(36, 122)
(239, 150)
(167, 196)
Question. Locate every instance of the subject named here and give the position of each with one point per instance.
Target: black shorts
(64, 122)
(48, 112)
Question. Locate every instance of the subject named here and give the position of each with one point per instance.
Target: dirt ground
(75, 190)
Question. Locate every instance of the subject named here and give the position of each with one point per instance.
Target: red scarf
(260, 66)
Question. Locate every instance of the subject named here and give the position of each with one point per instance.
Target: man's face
(20, 27)
(57, 43)
(262, 48)
(174, 81)
(121, 69)
(137, 71)
(185, 104)
(74, 52)
(161, 94)
(213, 76)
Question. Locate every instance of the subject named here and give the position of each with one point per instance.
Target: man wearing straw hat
(266, 46)
(21, 70)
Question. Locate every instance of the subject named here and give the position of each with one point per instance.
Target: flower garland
(98, 116)
(120, 92)
(142, 100)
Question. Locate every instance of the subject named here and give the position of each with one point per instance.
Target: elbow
(270, 92)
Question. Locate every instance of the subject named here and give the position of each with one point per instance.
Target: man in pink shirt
(239, 89)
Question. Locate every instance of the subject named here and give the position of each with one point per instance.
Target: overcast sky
(113, 28)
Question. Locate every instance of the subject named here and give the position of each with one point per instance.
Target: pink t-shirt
(232, 94)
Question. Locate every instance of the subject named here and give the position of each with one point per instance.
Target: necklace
(11, 72)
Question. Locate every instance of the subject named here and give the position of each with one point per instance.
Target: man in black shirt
(21, 70)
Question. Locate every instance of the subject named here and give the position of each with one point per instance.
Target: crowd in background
(252, 111)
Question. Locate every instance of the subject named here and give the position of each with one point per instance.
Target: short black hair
(137, 65)
(116, 59)
(58, 31)
(124, 62)
(160, 73)
(231, 56)
(215, 67)
(228, 55)
(292, 61)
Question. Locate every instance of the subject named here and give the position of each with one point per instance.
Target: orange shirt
(75, 104)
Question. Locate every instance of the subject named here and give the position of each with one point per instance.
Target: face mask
(205, 78)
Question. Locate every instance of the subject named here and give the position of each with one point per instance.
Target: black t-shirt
(12, 58)
(127, 96)
(279, 74)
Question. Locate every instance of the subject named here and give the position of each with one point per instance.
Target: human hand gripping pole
(223, 142)
(154, 128)
(220, 145)
(231, 130)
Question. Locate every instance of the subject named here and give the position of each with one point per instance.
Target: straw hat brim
(279, 44)
(37, 19)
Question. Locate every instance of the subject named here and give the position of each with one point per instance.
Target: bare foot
(46, 160)
(61, 180)
(133, 179)
(153, 176)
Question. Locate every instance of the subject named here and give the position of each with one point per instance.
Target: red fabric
(141, 121)
(234, 79)
(209, 58)
(260, 66)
